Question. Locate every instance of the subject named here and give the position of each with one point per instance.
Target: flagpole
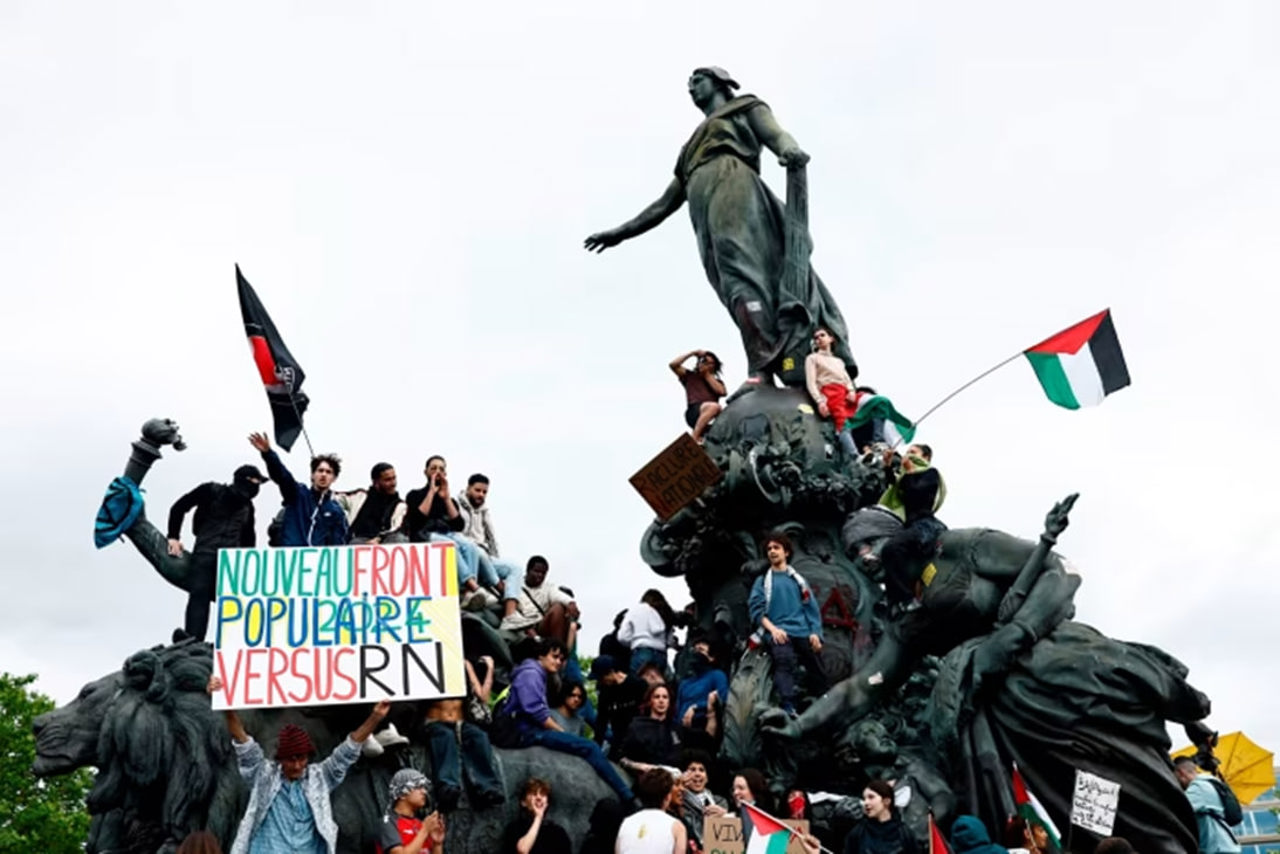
(301, 425)
(980, 376)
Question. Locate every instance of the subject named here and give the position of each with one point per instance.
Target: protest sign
(337, 624)
(723, 835)
(677, 476)
(1094, 803)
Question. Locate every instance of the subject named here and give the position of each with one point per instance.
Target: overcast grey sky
(407, 186)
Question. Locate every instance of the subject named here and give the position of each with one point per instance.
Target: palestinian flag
(768, 835)
(937, 845)
(898, 427)
(281, 374)
(1031, 811)
(1081, 365)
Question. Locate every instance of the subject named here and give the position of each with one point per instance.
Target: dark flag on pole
(281, 374)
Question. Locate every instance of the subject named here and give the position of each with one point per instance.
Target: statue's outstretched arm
(1055, 523)
(774, 138)
(653, 215)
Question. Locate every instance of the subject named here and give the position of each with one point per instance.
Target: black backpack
(1232, 814)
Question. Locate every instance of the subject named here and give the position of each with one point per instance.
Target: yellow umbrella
(1246, 767)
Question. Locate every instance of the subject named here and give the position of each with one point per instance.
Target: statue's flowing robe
(1075, 700)
(739, 225)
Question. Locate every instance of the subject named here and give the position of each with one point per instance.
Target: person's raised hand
(214, 685)
(687, 720)
(260, 442)
(175, 548)
(382, 708)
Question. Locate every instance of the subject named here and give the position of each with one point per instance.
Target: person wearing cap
(740, 227)
(223, 520)
(402, 831)
(289, 809)
(618, 698)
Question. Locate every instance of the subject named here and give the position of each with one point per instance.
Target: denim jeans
(642, 655)
(492, 570)
(585, 748)
(450, 765)
(468, 556)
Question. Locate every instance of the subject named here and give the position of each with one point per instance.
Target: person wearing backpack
(1216, 807)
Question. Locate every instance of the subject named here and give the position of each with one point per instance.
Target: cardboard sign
(675, 477)
(337, 624)
(1094, 803)
(723, 835)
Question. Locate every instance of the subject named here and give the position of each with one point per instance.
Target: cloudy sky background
(408, 186)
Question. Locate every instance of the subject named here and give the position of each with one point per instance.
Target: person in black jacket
(881, 831)
(223, 520)
(618, 698)
(653, 738)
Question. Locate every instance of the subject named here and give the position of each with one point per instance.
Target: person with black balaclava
(223, 520)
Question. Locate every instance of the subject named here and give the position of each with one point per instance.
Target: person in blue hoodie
(969, 836)
(312, 515)
(785, 612)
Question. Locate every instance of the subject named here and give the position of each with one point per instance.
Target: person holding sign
(402, 831)
(312, 516)
(289, 808)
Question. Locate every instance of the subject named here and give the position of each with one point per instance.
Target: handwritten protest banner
(1094, 803)
(342, 624)
(723, 835)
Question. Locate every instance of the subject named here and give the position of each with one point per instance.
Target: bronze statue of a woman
(741, 229)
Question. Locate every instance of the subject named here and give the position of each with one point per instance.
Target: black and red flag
(281, 374)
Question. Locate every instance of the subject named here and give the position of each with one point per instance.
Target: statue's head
(873, 743)
(705, 83)
(67, 737)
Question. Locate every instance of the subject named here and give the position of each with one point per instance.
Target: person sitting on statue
(618, 698)
(572, 696)
(375, 514)
(460, 749)
(703, 389)
(433, 516)
(653, 739)
(540, 608)
(223, 520)
(526, 704)
(289, 808)
(402, 831)
(312, 515)
(699, 695)
(478, 528)
(648, 631)
(914, 498)
(532, 832)
(830, 384)
(784, 609)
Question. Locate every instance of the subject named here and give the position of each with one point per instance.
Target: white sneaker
(390, 737)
